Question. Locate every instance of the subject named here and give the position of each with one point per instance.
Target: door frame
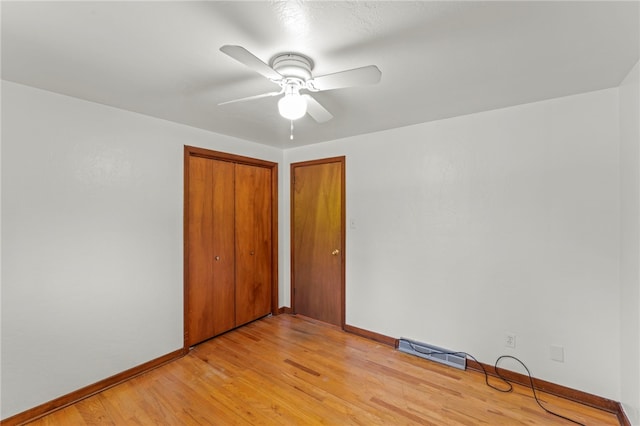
(191, 151)
(293, 166)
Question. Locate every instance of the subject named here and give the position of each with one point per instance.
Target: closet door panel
(253, 242)
(223, 247)
(211, 240)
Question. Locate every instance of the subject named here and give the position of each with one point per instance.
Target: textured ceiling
(438, 59)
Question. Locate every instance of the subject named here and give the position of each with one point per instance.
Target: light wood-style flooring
(290, 370)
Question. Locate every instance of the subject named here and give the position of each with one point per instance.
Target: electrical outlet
(510, 340)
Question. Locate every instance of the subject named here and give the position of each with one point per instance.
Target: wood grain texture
(230, 247)
(284, 310)
(381, 338)
(275, 303)
(253, 242)
(550, 388)
(85, 392)
(318, 240)
(291, 370)
(210, 244)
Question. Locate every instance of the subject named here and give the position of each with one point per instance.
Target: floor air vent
(433, 353)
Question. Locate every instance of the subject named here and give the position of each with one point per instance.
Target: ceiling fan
(292, 72)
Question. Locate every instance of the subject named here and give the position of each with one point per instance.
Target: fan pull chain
(291, 137)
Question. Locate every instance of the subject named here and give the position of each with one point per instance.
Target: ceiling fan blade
(250, 98)
(355, 77)
(243, 56)
(317, 111)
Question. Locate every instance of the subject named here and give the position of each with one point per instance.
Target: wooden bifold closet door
(253, 242)
(211, 268)
(229, 255)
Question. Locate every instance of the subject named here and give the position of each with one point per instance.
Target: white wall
(630, 243)
(92, 202)
(500, 221)
(507, 220)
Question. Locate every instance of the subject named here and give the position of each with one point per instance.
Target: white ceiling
(438, 59)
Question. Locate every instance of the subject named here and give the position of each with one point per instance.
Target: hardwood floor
(289, 370)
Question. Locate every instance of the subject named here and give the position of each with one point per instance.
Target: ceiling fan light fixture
(292, 106)
(293, 72)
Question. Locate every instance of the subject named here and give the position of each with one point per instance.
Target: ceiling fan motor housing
(293, 65)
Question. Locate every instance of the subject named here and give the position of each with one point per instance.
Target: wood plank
(371, 335)
(85, 392)
(291, 370)
(552, 388)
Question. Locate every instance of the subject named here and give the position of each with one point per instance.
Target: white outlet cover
(557, 353)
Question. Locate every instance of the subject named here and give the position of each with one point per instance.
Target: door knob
(217, 258)
(335, 252)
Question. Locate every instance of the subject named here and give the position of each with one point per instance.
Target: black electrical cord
(500, 376)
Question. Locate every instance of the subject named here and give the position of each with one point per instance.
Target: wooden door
(318, 239)
(210, 244)
(253, 242)
(230, 242)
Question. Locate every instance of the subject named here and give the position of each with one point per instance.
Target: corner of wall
(629, 136)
